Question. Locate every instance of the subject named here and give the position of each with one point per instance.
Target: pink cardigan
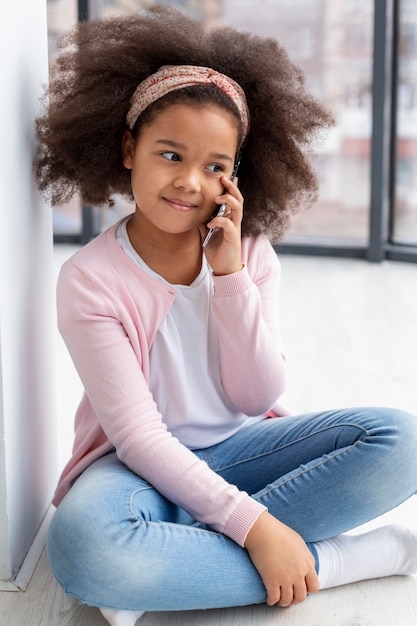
(108, 313)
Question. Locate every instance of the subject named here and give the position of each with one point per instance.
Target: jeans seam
(308, 469)
(132, 495)
(208, 456)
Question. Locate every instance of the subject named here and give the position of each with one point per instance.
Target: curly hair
(102, 61)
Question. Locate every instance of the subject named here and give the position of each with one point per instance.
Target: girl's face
(177, 163)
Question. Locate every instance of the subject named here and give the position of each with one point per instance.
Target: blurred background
(359, 58)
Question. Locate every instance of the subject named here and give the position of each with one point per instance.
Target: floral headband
(171, 77)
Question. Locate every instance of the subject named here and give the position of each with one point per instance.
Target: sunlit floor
(350, 336)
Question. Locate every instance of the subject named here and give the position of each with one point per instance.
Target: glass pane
(405, 222)
(62, 14)
(333, 43)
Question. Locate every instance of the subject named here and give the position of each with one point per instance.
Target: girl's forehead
(205, 126)
(205, 120)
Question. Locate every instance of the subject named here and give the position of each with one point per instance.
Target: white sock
(121, 618)
(386, 551)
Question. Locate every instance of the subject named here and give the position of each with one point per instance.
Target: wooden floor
(350, 335)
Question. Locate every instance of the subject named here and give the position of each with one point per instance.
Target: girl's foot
(386, 551)
(121, 618)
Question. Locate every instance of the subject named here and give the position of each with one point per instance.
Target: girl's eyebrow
(172, 144)
(180, 146)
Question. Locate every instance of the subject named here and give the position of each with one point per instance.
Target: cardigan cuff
(232, 284)
(242, 519)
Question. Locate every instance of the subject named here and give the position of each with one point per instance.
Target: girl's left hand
(223, 251)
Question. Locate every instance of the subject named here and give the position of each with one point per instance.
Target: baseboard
(22, 579)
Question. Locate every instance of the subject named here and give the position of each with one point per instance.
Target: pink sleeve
(115, 384)
(246, 308)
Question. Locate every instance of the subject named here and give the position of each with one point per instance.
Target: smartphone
(221, 208)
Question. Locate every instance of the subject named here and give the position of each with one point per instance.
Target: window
(363, 164)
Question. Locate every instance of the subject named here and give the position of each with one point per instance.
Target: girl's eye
(215, 167)
(171, 156)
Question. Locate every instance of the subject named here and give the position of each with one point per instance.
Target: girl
(183, 491)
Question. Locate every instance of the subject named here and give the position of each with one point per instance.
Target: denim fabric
(115, 542)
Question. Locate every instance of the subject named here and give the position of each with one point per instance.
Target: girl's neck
(175, 257)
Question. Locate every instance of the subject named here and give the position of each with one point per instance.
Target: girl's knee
(398, 429)
(402, 424)
(84, 548)
(70, 536)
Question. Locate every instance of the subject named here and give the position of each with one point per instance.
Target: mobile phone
(221, 208)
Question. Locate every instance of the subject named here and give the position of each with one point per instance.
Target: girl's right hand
(283, 561)
(224, 250)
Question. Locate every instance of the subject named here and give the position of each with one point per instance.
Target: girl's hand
(223, 252)
(283, 561)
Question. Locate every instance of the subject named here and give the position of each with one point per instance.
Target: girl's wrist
(227, 273)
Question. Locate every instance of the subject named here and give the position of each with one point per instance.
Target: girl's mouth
(180, 205)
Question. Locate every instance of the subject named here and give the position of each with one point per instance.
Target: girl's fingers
(234, 202)
(300, 592)
(232, 188)
(312, 582)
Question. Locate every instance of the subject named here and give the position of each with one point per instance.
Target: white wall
(27, 441)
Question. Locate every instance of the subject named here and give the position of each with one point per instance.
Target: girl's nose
(188, 180)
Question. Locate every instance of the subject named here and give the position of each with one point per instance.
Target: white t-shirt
(184, 363)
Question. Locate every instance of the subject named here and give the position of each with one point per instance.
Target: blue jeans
(115, 542)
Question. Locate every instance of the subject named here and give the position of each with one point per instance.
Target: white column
(28, 469)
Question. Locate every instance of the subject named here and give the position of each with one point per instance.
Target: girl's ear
(128, 149)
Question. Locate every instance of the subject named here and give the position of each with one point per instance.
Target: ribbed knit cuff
(242, 519)
(232, 284)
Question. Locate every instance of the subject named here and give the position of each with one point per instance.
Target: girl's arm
(246, 307)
